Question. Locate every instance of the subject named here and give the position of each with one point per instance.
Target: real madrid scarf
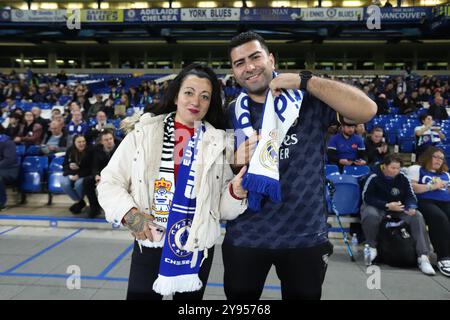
(178, 271)
(262, 177)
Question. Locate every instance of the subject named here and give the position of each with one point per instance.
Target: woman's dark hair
(426, 158)
(215, 114)
(76, 155)
(423, 117)
(390, 158)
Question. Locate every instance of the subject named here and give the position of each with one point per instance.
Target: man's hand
(360, 162)
(245, 151)
(396, 206)
(238, 189)
(137, 223)
(284, 81)
(345, 162)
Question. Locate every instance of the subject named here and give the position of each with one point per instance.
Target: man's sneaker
(444, 267)
(425, 265)
(373, 253)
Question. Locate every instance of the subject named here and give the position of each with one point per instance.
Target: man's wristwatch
(304, 78)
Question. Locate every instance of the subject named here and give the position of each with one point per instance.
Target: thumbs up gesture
(238, 190)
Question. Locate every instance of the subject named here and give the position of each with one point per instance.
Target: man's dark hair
(245, 37)
(392, 157)
(105, 132)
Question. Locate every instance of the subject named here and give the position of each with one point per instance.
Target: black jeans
(437, 217)
(7, 176)
(89, 191)
(301, 271)
(144, 271)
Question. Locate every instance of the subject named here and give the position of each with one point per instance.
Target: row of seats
(36, 170)
(354, 171)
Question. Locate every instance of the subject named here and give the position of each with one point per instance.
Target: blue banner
(407, 14)
(5, 15)
(270, 14)
(152, 15)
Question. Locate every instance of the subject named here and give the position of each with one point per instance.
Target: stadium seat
(356, 171)
(54, 182)
(20, 150)
(347, 197)
(331, 169)
(30, 177)
(56, 165)
(34, 150)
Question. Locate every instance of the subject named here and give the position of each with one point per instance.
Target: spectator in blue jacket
(9, 167)
(388, 192)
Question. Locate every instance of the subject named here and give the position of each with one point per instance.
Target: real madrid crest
(268, 156)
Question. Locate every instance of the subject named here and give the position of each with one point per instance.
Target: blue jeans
(73, 189)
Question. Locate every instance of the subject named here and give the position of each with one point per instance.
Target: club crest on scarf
(178, 236)
(163, 197)
(269, 153)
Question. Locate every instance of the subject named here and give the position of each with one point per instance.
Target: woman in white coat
(181, 146)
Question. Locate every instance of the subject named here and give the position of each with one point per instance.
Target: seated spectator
(14, 125)
(109, 108)
(388, 192)
(120, 110)
(42, 95)
(146, 98)
(73, 106)
(361, 130)
(36, 111)
(430, 180)
(346, 148)
(31, 133)
(77, 126)
(437, 110)
(9, 167)
(84, 104)
(100, 125)
(76, 167)
(133, 97)
(55, 140)
(65, 97)
(382, 104)
(96, 107)
(427, 134)
(376, 148)
(405, 105)
(423, 94)
(101, 154)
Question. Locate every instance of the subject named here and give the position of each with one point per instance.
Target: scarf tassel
(181, 283)
(260, 187)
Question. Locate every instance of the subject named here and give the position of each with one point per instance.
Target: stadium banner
(152, 15)
(211, 14)
(102, 15)
(5, 15)
(38, 15)
(332, 14)
(409, 14)
(270, 14)
(441, 11)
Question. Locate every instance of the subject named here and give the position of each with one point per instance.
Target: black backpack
(396, 246)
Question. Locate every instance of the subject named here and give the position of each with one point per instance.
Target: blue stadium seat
(331, 169)
(56, 165)
(130, 112)
(33, 150)
(31, 177)
(20, 150)
(356, 171)
(347, 197)
(54, 182)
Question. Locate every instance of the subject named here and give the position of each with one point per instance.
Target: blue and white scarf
(262, 177)
(178, 270)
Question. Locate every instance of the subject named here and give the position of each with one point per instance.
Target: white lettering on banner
(332, 14)
(158, 12)
(217, 14)
(177, 263)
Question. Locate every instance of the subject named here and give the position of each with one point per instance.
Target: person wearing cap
(346, 148)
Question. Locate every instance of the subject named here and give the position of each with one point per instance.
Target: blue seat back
(356, 171)
(331, 169)
(54, 182)
(347, 197)
(56, 165)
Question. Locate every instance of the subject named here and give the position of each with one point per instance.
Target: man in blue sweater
(9, 167)
(389, 192)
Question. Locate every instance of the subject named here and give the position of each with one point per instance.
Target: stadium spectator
(346, 148)
(248, 253)
(360, 130)
(427, 134)
(9, 167)
(437, 109)
(42, 96)
(120, 110)
(76, 167)
(430, 180)
(84, 104)
(423, 94)
(192, 97)
(146, 98)
(77, 126)
(65, 97)
(56, 139)
(388, 192)
(133, 97)
(109, 108)
(14, 125)
(36, 111)
(31, 133)
(382, 104)
(100, 125)
(96, 107)
(376, 147)
(101, 154)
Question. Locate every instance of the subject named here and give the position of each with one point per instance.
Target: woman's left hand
(238, 189)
